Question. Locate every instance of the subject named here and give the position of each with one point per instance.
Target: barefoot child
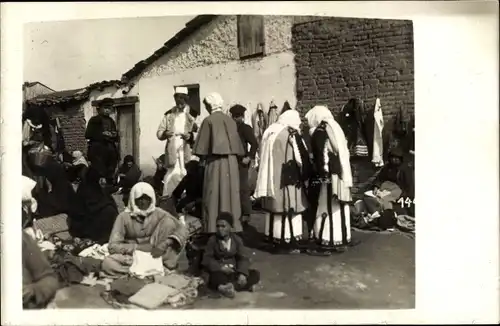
(227, 260)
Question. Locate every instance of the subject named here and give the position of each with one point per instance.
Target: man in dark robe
(219, 146)
(102, 136)
(247, 138)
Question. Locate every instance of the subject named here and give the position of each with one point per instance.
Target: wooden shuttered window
(250, 35)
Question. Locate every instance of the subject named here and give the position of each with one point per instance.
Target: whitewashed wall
(210, 58)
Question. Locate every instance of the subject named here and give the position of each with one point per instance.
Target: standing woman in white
(332, 227)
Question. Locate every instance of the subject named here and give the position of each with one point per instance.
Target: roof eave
(192, 26)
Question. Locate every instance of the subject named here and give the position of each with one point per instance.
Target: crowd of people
(297, 170)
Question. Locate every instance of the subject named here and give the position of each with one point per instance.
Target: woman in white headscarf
(218, 145)
(332, 229)
(284, 167)
(144, 227)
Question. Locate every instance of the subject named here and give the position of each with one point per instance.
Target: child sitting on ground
(227, 260)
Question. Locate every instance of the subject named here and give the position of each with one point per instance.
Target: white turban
(215, 100)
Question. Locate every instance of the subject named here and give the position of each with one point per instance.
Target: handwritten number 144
(406, 202)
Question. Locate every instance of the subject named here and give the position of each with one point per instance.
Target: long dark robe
(219, 144)
(55, 196)
(102, 151)
(95, 210)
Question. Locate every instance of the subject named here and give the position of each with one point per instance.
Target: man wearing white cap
(177, 127)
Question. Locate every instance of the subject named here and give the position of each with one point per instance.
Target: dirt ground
(379, 273)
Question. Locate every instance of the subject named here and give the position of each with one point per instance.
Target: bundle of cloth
(174, 290)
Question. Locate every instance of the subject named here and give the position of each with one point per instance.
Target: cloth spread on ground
(152, 295)
(405, 225)
(122, 289)
(96, 251)
(72, 269)
(145, 265)
(173, 289)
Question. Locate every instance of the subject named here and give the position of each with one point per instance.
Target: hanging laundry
(378, 145)
(259, 122)
(352, 121)
(273, 114)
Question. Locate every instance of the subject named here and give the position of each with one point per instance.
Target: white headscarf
(265, 177)
(290, 118)
(27, 187)
(215, 101)
(336, 137)
(139, 189)
(78, 158)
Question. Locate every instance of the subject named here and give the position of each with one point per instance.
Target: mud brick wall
(72, 122)
(340, 58)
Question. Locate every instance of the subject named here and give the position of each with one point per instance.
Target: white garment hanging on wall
(378, 145)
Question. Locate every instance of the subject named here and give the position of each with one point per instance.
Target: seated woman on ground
(128, 175)
(394, 181)
(95, 210)
(39, 279)
(54, 192)
(227, 260)
(144, 227)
